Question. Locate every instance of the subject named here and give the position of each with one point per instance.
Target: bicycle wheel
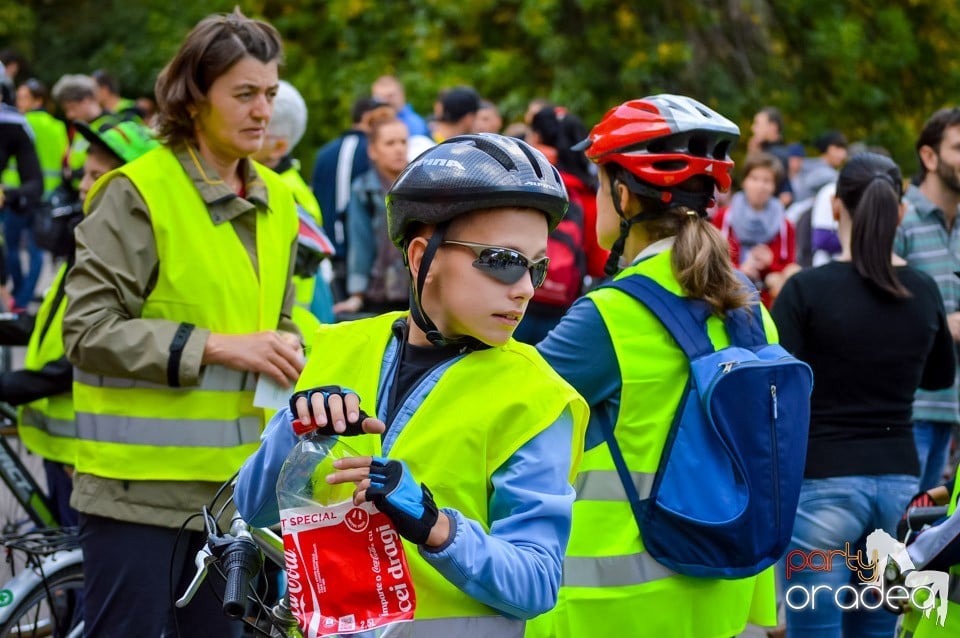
(52, 608)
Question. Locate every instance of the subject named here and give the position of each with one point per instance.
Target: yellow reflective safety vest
(928, 627)
(484, 408)
(611, 586)
(302, 193)
(50, 137)
(308, 324)
(304, 286)
(48, 426)
(137, 430)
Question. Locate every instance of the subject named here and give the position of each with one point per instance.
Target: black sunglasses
(505, 264)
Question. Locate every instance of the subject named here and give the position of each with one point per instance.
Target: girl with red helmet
(660, 160)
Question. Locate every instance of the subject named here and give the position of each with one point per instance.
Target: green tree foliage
(873, 69)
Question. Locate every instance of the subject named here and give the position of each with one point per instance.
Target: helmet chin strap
(698, 202)
(419, 315)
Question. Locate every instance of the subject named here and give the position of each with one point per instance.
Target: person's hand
(762, 256)
(351, 304)
(389, 485)
(316, 408)
(269, 352)
(953, 320)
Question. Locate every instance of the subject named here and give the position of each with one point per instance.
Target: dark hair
(830, 138)
(932, 136)
(773, 114)
(106, 80)
(561, 130)
(38, 90)
(870, 187)
(209, 51)
(362, 106)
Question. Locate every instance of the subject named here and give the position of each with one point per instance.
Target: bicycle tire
(32, 617)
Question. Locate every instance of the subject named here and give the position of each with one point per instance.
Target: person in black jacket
(16, 142)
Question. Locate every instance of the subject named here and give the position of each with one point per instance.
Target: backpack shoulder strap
(685, 319)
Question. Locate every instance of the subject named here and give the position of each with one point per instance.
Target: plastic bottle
(346, 569)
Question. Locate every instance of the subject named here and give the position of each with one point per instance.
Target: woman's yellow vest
(47, 426)
(611, 586)
(928, 627)
(484, 408)
(137, 430)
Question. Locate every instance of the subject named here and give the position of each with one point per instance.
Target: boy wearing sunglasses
(473, 438)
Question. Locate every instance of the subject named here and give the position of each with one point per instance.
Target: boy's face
(759, 186)
(464, 300)
(97, 164)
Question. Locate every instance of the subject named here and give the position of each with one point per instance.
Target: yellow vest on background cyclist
(660, 160)
(50, 136)
(286, 128)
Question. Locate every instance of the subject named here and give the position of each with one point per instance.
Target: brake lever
(202, 560)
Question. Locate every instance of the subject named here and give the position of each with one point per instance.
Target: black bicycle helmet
(460, 175)
(473, 172)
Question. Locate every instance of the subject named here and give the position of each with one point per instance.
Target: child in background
(762, 239)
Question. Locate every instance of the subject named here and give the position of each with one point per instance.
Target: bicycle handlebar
(241, 561)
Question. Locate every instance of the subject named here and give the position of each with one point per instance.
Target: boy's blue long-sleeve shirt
(517, 566)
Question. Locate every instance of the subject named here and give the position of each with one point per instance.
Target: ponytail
(700, 260)
(701, 263)
(870, 187)
(874, 225)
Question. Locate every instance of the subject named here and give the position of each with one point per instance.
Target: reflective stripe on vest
(168, 432)
(491, 426)
(66, 428)
(605, 485)
(484, 627)
(136, 430)
(612, 571)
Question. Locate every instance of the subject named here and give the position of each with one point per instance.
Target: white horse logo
(882, 548)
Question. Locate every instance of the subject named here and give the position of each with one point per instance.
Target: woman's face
(389, 148)
(232, 122)
(608, 221)
(463, 300)
(759, 186)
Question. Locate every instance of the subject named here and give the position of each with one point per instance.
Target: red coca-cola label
(346, 569)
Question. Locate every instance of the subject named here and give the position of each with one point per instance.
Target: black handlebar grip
(241, 561)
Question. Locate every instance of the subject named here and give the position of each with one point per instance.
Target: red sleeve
(596, 255)
(784, 249)
(732, 242)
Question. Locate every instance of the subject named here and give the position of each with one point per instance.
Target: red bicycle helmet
(664, 140)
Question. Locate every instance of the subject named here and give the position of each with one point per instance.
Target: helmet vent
(532, 159)
(697, 145)
(670, 165)
(493, 151)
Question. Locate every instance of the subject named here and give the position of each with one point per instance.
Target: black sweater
(869, 353)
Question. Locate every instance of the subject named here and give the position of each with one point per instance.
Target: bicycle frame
(21, 482)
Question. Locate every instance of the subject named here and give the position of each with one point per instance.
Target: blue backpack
(725, 494)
